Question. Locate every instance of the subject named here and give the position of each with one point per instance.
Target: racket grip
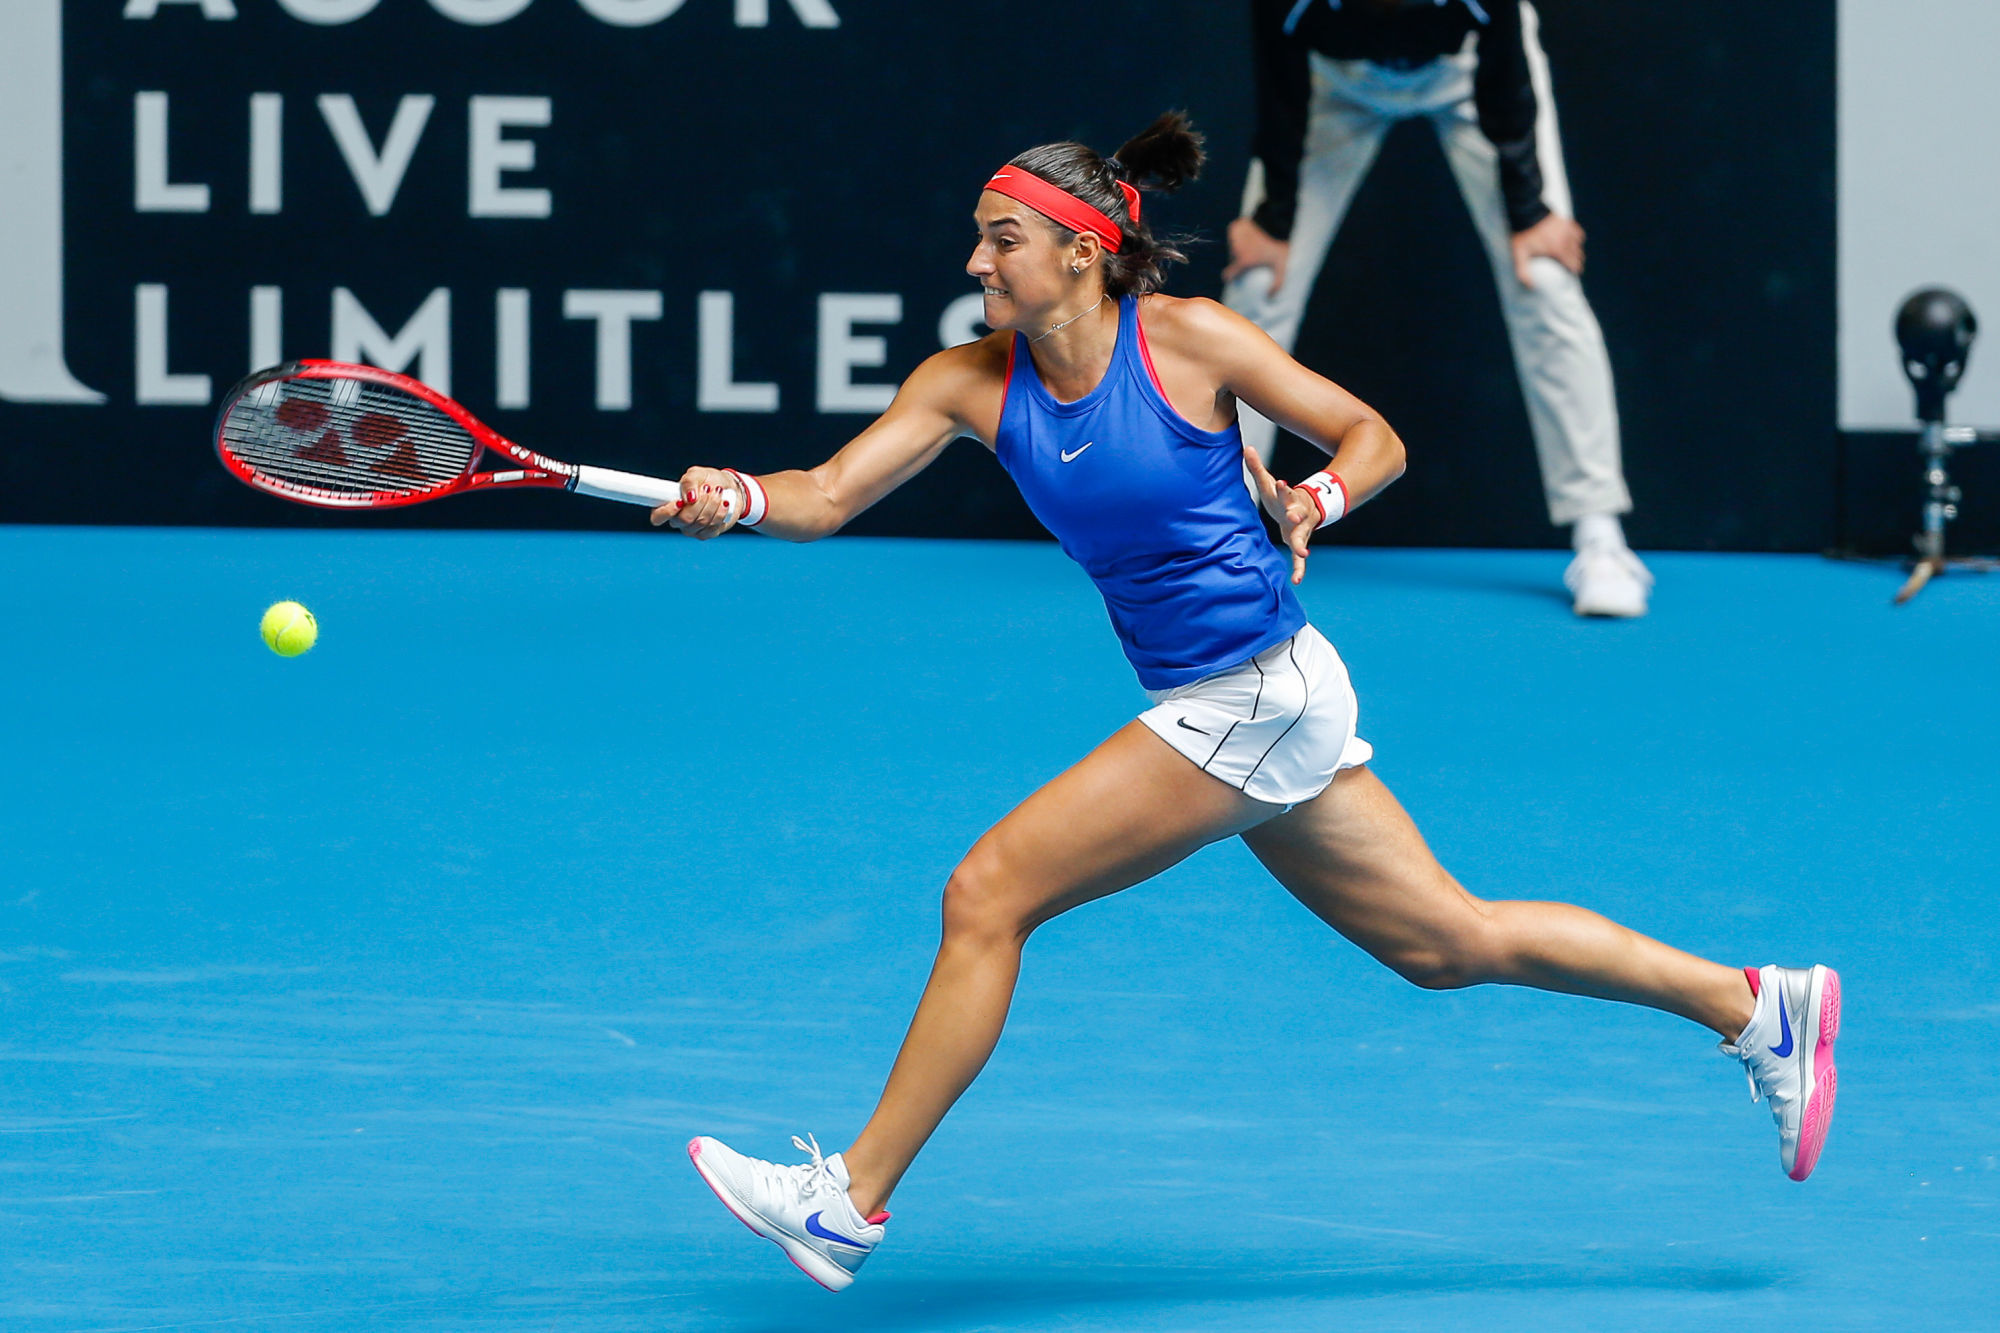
(627, 487)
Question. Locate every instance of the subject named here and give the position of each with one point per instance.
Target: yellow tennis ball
(289, 629)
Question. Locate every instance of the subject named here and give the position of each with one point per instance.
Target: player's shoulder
(1195, 326)
(969, 363)
(957, 376)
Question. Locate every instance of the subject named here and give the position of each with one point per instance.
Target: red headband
(1059, 205)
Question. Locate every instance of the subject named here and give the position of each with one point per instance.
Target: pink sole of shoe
(1818, 1115)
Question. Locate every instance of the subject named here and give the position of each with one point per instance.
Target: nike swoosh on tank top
(1155, 511)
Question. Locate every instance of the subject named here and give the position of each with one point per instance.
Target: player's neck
(1075, 351)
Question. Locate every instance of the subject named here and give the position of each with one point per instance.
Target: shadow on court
(1527, 579)
(1116, 1293)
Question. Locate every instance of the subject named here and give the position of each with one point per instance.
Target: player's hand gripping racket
(344, 436)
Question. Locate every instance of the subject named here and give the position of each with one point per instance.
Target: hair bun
(1164, 156)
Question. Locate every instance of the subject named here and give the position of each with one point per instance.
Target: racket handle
(628, 487)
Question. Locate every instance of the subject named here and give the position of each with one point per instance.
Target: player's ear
(1085, 253)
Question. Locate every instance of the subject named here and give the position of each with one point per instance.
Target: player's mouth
(999, 292)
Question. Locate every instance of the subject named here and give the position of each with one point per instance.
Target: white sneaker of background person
(1606, 578)
(1788, 1053)
(803, 1209)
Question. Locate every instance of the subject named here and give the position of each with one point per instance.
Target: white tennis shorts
(1277, 727)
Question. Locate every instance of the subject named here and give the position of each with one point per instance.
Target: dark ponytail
(1164, 156)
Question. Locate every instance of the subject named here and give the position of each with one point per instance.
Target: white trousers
(1559, 350)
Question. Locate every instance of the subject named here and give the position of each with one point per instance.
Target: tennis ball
(289, 629)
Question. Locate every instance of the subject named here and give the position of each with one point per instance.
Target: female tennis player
(1113, 407)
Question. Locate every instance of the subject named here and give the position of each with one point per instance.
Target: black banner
(648, 233)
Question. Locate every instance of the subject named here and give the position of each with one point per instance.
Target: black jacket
(1413, 34)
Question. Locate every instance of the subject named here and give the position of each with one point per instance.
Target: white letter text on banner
(841, 351)
(426, 339)
(151, 190)
(614, 312)
(717, 389)
(490, 153)
(379, 176)
(153, 383)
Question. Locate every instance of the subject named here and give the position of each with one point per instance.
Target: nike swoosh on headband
(1784, 1047)
(812, 1225)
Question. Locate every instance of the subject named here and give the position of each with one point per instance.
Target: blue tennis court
(381, 988)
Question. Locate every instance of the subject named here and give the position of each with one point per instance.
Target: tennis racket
(343, 436)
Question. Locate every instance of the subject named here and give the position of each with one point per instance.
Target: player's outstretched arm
(927, 414)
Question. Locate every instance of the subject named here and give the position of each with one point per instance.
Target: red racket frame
(540, 471)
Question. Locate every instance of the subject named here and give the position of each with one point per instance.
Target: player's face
(1022, 271)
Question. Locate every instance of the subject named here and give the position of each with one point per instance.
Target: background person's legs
(1559, 351)
(1342, 140)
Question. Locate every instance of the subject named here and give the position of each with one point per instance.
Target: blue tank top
(1155, 511)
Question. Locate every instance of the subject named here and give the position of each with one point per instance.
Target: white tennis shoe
(1788, 1053)
(803, 1209)
(1606, 579)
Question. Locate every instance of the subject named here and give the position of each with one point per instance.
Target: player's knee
(978, 905)
(1450, 961)
(1431, 970)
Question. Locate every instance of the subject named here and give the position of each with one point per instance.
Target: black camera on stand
(1935, 329)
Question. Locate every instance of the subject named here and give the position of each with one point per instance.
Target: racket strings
(347, 436)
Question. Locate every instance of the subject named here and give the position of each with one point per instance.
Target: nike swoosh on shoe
(813, 1226)
(1784, 1046)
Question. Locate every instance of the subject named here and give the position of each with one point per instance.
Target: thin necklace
(1071, 320)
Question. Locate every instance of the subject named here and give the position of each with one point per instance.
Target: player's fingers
(1267, 485)
(710, 521)
(1302, 533)
(720, 506)
(1277, 275)
(708, 504)
(676, 511)
(689, 519)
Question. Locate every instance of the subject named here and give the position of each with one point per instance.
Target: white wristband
(756, 503)
(1329, 492)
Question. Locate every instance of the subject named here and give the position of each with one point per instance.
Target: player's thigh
(1355, 858)
(1128, 810)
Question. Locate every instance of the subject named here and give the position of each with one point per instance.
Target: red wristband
(1329, 493)
(756, 503)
